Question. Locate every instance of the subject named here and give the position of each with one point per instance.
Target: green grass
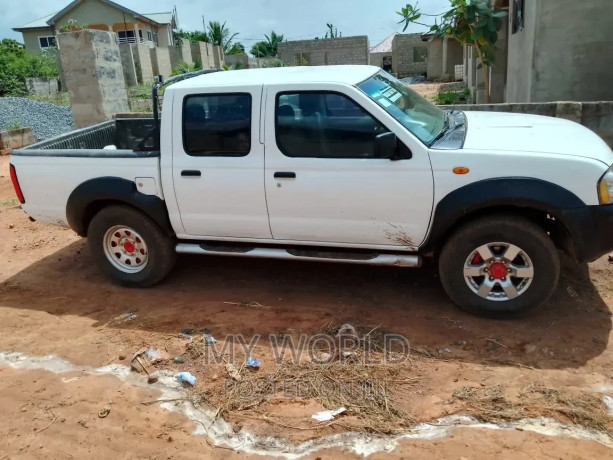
(13, 125)
(57, 98)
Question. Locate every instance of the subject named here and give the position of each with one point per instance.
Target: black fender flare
(90, 196)
(501, 193)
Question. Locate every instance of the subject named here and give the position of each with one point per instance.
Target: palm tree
(220, 35)
(267, 48)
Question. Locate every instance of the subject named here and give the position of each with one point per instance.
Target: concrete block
(92, 65)
(335, 51)
(42, 86)
(161, 60)
(16, 139)
(127, 62)
(185, 50)
(570, 111)
(143, 64)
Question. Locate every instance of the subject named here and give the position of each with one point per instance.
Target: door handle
(191, 173)
(285, 175)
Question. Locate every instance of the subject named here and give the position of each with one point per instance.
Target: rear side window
(217, 125)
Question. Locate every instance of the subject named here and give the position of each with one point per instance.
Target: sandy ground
(53, 301)
(429, 90)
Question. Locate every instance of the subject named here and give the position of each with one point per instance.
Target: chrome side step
(394, 260)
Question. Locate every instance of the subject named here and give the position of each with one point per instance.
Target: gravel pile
(46, 120)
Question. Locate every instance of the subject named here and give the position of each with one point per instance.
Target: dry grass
(491, 405)
(365, 391)
(368, 337)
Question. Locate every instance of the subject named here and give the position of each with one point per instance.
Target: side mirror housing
(388, 146)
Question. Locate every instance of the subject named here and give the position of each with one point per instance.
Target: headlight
(605, 187)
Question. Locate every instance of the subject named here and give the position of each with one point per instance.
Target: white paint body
(360, 203)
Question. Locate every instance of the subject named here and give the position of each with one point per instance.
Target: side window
(324, 125)
(217, 125)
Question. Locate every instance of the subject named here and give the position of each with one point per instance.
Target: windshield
(423, 119)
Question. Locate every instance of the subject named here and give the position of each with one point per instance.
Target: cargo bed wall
(124, 134)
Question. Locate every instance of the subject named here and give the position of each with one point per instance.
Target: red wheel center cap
(498, 271)
(129, 246)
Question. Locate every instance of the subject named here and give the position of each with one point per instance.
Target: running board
(394, 260)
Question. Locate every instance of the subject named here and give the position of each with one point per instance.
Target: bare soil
(430, 90)
(551, 363)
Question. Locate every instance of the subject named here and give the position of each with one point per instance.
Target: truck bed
(51, 170)
(131, 137)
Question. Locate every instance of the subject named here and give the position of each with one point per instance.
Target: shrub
(16, 65)
(452, 97)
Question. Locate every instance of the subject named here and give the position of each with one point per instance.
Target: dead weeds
(366, 391)
(490, 404)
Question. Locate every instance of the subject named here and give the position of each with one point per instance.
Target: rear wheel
(129, 247)
(499, 266)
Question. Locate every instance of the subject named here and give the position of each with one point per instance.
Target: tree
(193, 37)
(220, 35)
(267, 48)
(471, 22)
(332, 32)
(16, 65)
(237, 48)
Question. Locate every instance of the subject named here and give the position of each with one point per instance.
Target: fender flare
(501, 193)
(91, 195)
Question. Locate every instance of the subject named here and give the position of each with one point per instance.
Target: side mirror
(388, 146)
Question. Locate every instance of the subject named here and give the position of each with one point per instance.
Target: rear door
(324, 183)
(218, 163)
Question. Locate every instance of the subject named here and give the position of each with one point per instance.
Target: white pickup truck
(336, 164)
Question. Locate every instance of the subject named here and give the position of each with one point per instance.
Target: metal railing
(132, 41)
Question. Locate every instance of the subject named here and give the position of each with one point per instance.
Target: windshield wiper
(443, 131)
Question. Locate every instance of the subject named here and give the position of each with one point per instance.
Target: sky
(295, 19)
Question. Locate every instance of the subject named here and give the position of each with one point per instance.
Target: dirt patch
(430, 90)
(54, 301)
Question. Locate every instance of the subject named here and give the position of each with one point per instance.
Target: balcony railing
(132, 41)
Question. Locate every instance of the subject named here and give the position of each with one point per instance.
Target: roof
(71, 5)
(385, 46)
(349, 74)
(37, 24)
(160, 18)
(47, 21)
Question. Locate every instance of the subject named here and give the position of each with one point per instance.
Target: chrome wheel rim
(125, 249)
(498, 271)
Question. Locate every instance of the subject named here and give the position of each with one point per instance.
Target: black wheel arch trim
(509, 192)
(90, 196)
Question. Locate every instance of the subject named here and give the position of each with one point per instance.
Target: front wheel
(499, 266)
(129, 247)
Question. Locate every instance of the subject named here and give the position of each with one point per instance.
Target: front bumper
(591, 230)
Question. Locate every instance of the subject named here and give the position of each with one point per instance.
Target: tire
(129, 247)
(485, 286)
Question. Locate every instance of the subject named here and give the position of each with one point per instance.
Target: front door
(324, 183)
(218, 163)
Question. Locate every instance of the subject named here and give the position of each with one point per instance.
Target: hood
(497, 131)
